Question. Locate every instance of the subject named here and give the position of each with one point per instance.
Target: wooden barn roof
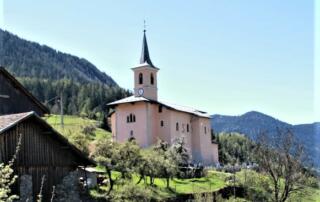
(18, 85)
(9, 121)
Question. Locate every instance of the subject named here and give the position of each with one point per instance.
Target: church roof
(180, 108)
(145, 57)
(129, 100)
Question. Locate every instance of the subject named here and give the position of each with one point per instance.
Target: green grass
(257, 180)
(73, 130)
(76, 124)
(309, 195)
(212, 182)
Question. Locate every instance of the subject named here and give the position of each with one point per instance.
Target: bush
(203, 197)
(313, 182)
(89, 130)
(130, 192)
(192, 171)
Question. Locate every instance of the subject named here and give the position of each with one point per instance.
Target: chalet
(43, 152)
(14, 98)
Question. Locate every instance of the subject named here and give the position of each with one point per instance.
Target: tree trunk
(168, 183)
(141, 178)
(110, 180)
(276, 192)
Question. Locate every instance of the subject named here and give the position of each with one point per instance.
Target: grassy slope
(76, 124)
(213, 182)
(310, 195)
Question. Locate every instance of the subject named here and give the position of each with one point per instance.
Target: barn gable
(14, 98)
(43, 151)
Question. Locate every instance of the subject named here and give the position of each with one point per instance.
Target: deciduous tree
(282, 158)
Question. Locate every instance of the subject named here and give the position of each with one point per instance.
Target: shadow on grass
(180, 182)
(200, 180)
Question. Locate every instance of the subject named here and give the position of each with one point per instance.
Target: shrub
(89, 130)
(130, 192)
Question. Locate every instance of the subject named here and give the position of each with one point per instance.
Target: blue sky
(225, 57)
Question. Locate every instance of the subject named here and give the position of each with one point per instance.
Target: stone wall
(26, 188)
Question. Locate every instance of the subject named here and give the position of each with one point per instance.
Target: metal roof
(180, 108)
(129, 100)
(145, 57)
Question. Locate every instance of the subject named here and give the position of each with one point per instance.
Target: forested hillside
(254, 123)
(30, 59)
(87, 99)
(48, 74)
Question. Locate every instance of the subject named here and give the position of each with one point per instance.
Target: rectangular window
(161, 124)
(188, 128)
(160, 108)
(205, 130)
(177, 126)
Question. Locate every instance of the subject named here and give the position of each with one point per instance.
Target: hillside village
(136, 148)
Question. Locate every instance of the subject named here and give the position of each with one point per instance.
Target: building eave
(131, 99)
(25, 116)
(17, 84)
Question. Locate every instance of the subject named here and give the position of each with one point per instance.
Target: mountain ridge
(50, 74)
(254, 123)
(26, 58)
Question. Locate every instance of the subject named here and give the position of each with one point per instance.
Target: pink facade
(151, 124)
(146, 119)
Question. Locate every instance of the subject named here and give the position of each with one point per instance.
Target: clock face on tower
(140, 91)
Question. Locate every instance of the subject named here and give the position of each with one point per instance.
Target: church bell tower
(145, 74)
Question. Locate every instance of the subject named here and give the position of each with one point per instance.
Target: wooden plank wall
(18, 102)
(40, 154)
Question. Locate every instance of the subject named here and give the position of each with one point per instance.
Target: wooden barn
(14, 98)
(43, 152)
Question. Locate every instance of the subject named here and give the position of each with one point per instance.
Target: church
(147, 119)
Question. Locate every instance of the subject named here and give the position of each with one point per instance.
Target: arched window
(140, 78)
(134, 118)
(205, 130)
(177, 126)
(188, 128)
(151, 79)
(128, 119)
(161, 123)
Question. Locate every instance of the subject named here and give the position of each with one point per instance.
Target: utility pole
(61, 111)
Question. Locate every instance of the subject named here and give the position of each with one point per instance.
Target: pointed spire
(145, 57)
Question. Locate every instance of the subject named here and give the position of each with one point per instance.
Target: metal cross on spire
(144, 26)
